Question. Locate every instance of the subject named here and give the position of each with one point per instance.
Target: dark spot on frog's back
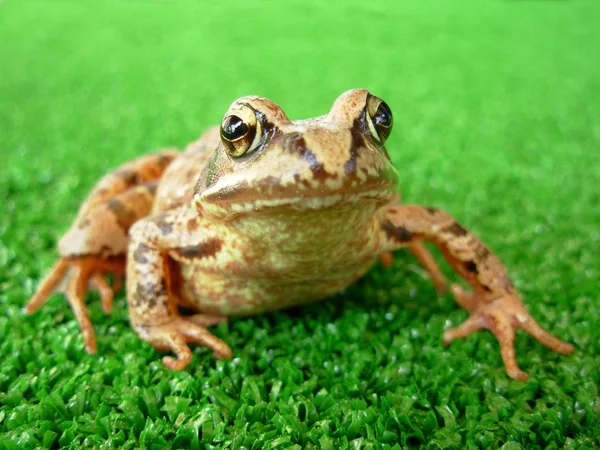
(125, 217)
(203, 250)
(129, 177)
(164, 160)
(151, 187)
(399, 234)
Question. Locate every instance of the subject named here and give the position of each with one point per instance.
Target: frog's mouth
(241, 198)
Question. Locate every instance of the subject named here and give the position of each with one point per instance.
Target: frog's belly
(215, 293)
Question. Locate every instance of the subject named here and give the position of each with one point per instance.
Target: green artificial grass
(496, 120)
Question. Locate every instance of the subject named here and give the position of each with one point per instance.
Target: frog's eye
(379, 118)
(240, 131)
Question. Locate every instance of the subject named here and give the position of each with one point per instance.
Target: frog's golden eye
(241, 131)
(379, 118)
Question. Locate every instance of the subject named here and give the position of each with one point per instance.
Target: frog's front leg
(493, 301)
(152, 303)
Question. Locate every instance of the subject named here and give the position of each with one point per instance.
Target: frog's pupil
(383, 116)
(233, 128)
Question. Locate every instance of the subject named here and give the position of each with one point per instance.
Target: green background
(497, 110)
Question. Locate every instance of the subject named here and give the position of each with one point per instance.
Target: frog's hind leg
(426, 259)
(95, 267)
(47, 286)
(96, 244)
(72, 277)
(493, 301)
(94, 247)
(145, 169)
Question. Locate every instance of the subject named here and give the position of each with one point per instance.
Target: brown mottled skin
(265, 213)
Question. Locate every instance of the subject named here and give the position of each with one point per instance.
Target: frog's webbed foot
(73, 276)
(177, 333)
(502, 316)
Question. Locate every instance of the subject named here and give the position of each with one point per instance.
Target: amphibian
(264, 213)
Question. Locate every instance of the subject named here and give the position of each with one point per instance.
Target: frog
(264, 213)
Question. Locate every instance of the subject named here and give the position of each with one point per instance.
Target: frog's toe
(75, 277)
(98, 281)
(75, 293)
(72, 276)
(47, 286)
(502, 317)
(501, 326)
(545, 338)
(176, 343)
(176, 334)
(469, 326)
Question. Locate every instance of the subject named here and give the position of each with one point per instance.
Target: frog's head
(266, 162)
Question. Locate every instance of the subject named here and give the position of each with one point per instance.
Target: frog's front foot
(72, 276)
(178, 332)
(502, 316)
